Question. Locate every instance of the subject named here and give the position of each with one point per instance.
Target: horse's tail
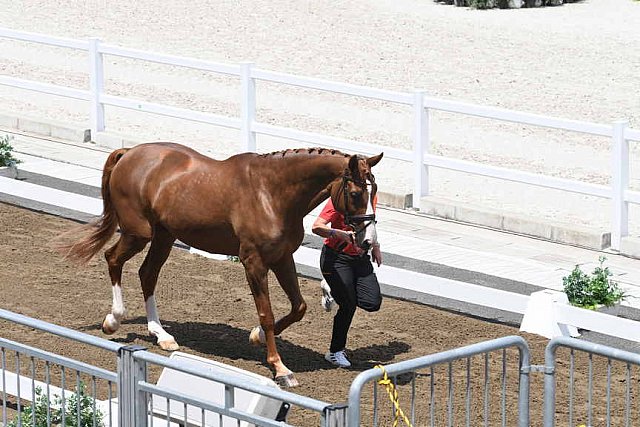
(98, 232)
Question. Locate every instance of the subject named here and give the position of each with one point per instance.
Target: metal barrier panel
(65, 391)
(590, 384)
(39, 387)
(477, 385)
(193, 391)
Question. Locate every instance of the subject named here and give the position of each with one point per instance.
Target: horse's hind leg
(126, 247)
(285, 271)
(156, 257)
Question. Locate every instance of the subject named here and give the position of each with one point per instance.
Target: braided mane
(315, 150)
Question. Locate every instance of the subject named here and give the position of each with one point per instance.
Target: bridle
(354, 220)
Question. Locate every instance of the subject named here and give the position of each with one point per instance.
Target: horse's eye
(356, 194)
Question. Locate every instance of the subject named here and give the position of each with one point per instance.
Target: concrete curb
(551, 231)
(630, 246)
(437, 207)
(63, 131)
(115, 140)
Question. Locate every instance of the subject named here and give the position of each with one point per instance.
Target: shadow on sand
(221, 340)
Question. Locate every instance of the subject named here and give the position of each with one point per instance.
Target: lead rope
(393, 396)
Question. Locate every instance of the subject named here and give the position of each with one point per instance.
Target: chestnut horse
(249, 205)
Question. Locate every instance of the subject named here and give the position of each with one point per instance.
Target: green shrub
(591, 291)
(41, 404)
(482, 4)
(6, 157)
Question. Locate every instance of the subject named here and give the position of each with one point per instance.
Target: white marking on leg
(153, 321)
(113, 319)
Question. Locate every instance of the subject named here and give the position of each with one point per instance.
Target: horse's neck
(310, 178)
(319, 176)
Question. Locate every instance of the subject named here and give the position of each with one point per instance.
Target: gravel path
(578, 61)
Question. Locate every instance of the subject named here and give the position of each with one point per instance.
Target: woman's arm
(322, 229)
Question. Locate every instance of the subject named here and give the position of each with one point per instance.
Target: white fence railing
(617, 192)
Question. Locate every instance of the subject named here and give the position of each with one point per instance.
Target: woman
(348, 271)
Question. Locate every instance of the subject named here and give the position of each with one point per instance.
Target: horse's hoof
(107, 331)
(110, 325)
(287, 381)
(257, 337)
(168, 345)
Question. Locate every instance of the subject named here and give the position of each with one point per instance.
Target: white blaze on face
(371, 234)
(153, 320)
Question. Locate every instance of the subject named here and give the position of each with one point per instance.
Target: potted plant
(44, 410)
(7, 160)
(592, 291)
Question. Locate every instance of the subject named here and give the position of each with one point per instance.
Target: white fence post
(96, 78)
(619, 184)
(248, 107)
(421, 144)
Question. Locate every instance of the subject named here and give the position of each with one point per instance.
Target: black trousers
(353, 284)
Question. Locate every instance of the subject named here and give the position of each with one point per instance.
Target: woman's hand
(376, 255)
(321, 228)
(343, 235)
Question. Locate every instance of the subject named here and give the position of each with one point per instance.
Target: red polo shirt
(336, 219)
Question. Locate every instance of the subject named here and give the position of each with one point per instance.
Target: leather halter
(354, 220)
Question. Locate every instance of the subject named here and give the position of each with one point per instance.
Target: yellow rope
(393, 396)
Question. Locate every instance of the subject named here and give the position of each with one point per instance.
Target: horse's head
(353, 194)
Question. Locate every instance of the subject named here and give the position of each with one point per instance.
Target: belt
(339, 252)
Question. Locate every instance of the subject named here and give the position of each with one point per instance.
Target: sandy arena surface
(578, 61)
(207, 306)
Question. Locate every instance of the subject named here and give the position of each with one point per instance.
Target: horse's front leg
(285, 271)
(256, 272)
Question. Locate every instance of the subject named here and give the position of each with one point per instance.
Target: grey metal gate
(482, 384)
(461, 407)
(58, 383)
(123, 396)
(584, 384)
(604, 396)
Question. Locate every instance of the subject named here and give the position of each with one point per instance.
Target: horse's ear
(372, 161)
